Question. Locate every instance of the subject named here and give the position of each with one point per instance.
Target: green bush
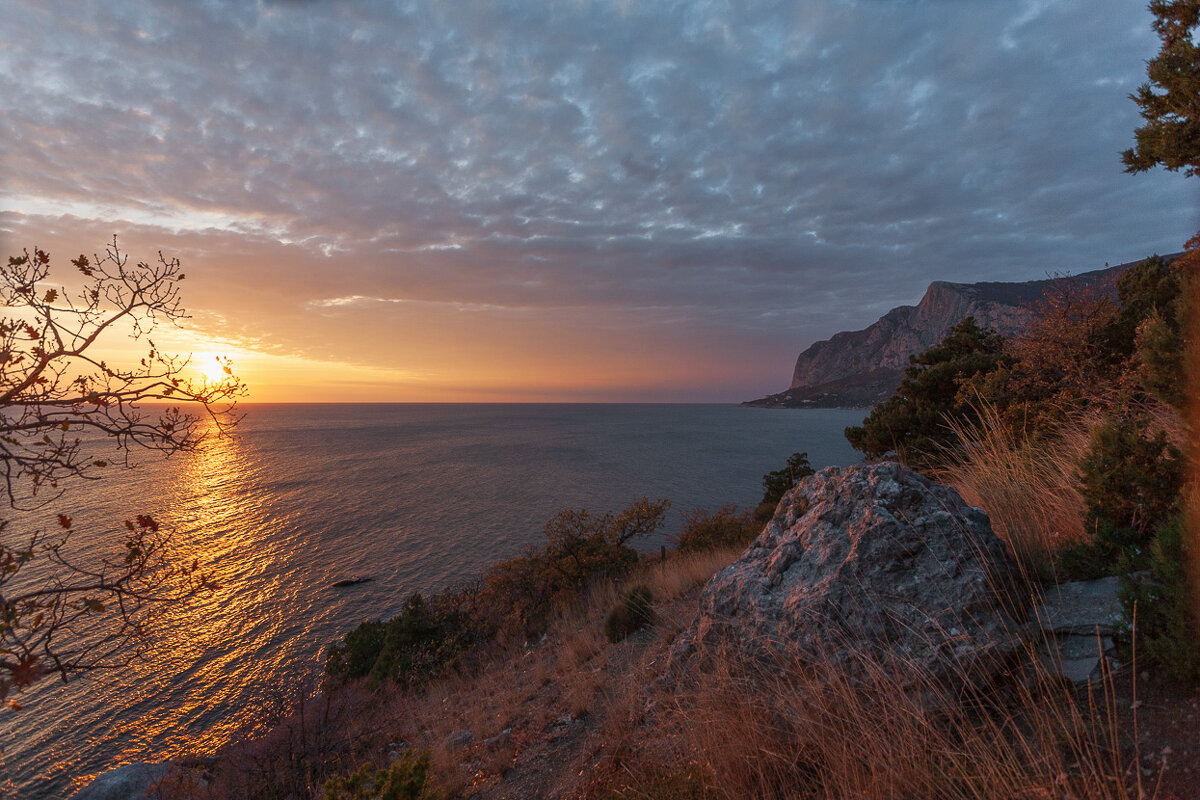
(417, 643)
(712, 530)
(1166, 627)
(776, 484)
(357, 653)
(406, 779)
(635, 611)
(912, 422)
(1130, 481)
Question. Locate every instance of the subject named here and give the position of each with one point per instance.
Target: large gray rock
(872, 559)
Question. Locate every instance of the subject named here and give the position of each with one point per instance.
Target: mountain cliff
(861, 368)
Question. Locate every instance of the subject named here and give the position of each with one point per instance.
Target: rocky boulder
(129, 782)
(875, 560)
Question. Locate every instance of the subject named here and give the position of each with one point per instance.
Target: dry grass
(573, 716)
(1031, 493)
(683, 572)
(800, 732)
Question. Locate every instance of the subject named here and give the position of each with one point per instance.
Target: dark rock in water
(870, 560)
(354, 581)
(130, 782)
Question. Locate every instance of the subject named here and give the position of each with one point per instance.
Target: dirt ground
(1160, 724)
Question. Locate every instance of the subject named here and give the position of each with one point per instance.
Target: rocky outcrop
(873, 559)
(862, 368)
(129, 782)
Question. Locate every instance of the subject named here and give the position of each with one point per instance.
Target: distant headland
(856, 369)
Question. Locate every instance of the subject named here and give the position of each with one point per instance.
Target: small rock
(460, 739)
(499, 740)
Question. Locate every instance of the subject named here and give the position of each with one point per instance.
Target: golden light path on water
(204, 640)
(186, 694)
(202, 644)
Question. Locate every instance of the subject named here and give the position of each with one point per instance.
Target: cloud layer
(673, 196)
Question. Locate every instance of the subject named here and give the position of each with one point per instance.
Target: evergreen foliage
(418, 643)
(633, 612)
(1130, 479)
(1169, 101)
(407, 778)
(1160, 601)
(912, 422)
(777, 483)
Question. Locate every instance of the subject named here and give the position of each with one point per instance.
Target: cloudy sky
(521, 200)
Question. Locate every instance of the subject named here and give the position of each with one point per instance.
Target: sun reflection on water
(204, 650)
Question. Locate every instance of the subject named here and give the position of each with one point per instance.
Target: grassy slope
(575, 716)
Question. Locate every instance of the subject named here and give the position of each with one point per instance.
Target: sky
(572, 201)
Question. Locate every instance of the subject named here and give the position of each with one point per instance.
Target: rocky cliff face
(861, 368)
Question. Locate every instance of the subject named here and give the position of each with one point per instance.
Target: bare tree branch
(53, 390)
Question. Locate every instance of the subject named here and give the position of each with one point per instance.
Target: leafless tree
(56, 394)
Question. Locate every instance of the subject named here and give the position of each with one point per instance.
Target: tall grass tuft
(1030, 491)
(799, 730)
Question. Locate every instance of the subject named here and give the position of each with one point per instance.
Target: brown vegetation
(574, 716)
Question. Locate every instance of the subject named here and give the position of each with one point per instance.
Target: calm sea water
(418, 496)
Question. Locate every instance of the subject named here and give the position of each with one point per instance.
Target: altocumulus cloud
(727, 179)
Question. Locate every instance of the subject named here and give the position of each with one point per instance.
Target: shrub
(713, 530)
(1166, 628)
(581, 546)
(515, 598)
(357, 653)
(633, 612)
(776, 484)
(406, 779)
(912, 422)
(1131, 481)
(419, 642)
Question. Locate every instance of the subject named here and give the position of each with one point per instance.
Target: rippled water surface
(417, 496)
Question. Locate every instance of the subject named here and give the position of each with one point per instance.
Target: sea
(416, 497)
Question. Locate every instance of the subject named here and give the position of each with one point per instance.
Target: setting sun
(209, 367)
